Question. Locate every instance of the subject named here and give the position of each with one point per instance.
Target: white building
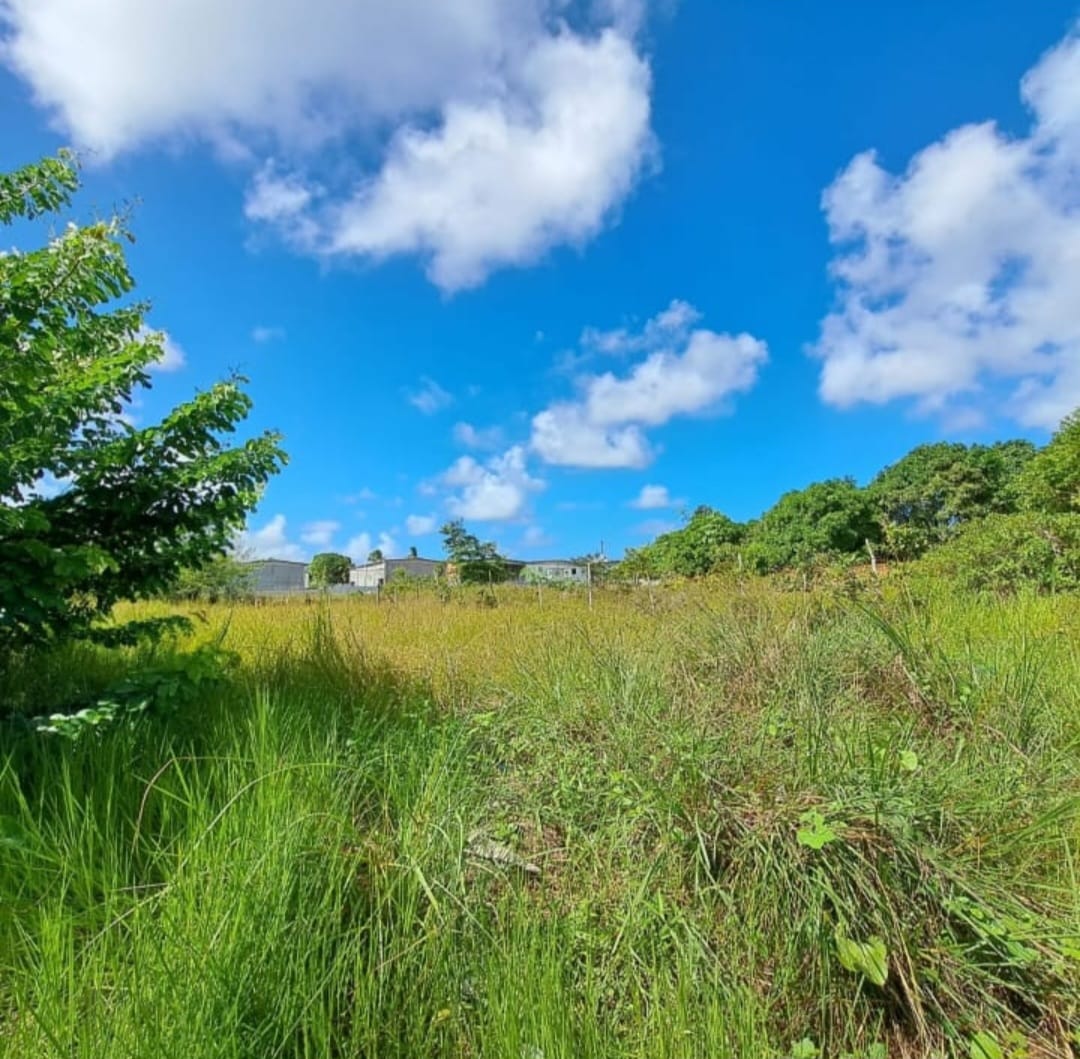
(370, 576)
(563, 570)
(276, 575)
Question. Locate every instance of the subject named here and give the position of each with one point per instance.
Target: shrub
(1005, 553)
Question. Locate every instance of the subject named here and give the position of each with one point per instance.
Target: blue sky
(565, 269)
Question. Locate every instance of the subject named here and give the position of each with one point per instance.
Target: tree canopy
(92, 508)
(1051, 480)
(474, 562)
(329, 568)
(704, 542)
(826, 519)
(924, 498)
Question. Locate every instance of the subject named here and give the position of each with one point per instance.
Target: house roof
(287, 562)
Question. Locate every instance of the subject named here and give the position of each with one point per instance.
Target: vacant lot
(722, 820)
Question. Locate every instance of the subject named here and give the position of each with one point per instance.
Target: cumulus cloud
(489, 131)
(471, 437)
(361, 546)
(653, 497)
(503, 179)
(430, 398)
(320, 533)
(269, 542)
(957, 279)
(421, 525)
(686, 370)
(564, 435)
(172, 356)
(495, 491)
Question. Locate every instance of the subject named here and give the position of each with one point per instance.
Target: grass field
(721, 821)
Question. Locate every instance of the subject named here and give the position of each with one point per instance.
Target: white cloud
(481, 133)
(495, 491)
(172, 356)
(431, 397)
(270, 542)
(958, 279)
(388, 546)
(320, 533)
(48, 486)
(477, 438)
(540, 162)
(564, 435)
(263, 333)
(361, 546)
(675, 320)
(686, 371)
(421, 525)
(653, 497)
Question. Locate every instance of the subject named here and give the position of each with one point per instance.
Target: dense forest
(994, 516)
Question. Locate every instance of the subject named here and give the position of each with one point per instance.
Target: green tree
(329, 568)
(708, 539)
(476, 562)
(224, 577)
(413, 553)
(926, 497)
(1051, 481)
(375, 555)
(93, 510)
(826, 519)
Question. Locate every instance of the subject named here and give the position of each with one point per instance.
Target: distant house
(370, 576)
(276, 575)
(563, 570)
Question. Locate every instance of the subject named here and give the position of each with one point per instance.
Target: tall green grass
(727, 789)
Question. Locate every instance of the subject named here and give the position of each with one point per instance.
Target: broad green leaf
(868, 958)
(816, 832)
(909, 760)
(985, 1046)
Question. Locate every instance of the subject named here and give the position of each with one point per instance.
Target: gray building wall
(373, 575)
(277, 575)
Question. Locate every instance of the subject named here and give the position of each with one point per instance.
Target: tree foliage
(223, 577)
(92, 509)
(329, 568)
(826, 519)
(1051, 480)
(925, 498)
(707, 540)
(1005, 553)
(474, 562)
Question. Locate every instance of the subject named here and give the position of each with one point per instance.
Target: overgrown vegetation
(710, 818)
(722, 820)
(971, 499)
(94, 510)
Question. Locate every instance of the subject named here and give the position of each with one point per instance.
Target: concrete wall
(373, 575)
(413, 567)
(370, 575)
(277, 575)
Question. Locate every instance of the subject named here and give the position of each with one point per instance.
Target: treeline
(994, 516)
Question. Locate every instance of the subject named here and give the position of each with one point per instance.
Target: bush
(1005, 553)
